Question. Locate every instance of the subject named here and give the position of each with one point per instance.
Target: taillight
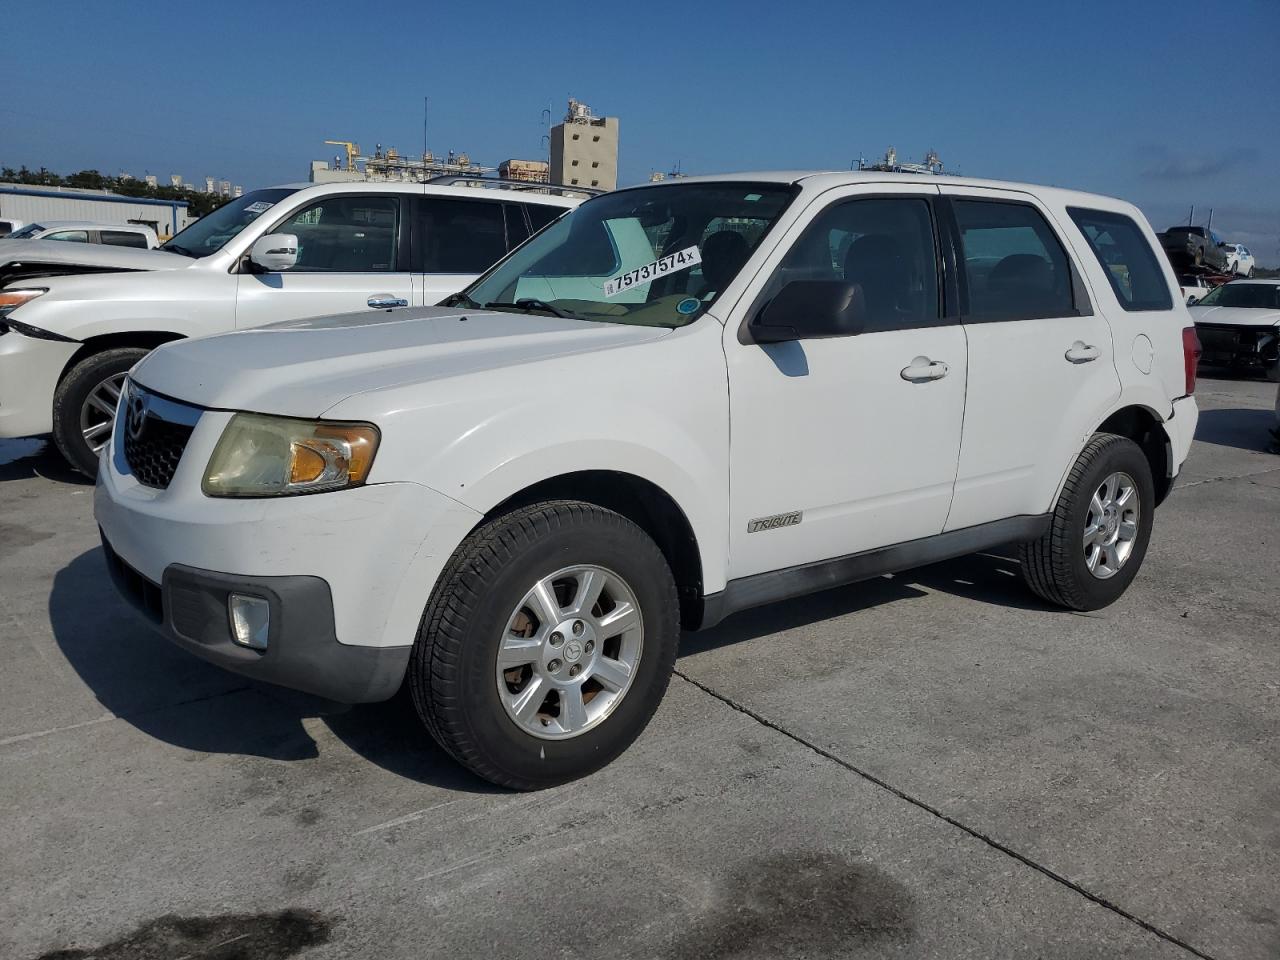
(1190, 356)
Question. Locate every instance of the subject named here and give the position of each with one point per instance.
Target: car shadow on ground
(1242, 428)
(179, 699)
(36, 457)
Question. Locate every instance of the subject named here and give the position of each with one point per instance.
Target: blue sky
(1138, 98)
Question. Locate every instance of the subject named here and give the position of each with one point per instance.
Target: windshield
(210, 233)
(1261, 296)
(30, 230)
(654, 256)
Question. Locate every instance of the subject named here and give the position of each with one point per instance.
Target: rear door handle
(1081, 352)
(922, 370)
(385, 301)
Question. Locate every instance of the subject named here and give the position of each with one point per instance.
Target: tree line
(198, 203)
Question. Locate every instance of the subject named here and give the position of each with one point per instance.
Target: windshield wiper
(176, 248)
(530, 304)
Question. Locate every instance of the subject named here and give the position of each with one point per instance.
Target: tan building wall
(528, 171)
(585, 153)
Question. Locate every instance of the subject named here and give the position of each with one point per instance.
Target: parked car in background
(75, 317)
(84, 231)
(513, 502)
(8, 225)
(1194, 247)
(1239, 260)
(1239, 326)
(1193, 288)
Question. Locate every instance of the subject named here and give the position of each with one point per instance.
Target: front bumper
(303, 652)
(1232, 345)
(348, 573)
(29, 373)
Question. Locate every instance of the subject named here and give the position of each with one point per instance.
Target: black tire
(1054, 566)
(452, 669)
(73, 392)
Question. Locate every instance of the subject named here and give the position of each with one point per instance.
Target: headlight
(260, 456)
(11, 300)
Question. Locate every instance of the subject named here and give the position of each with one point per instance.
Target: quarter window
(1014, 265)
(1126, 257)
(884, 246)
(461, 236)
(346, 235)
(123, 238)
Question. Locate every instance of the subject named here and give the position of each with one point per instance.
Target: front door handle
(922, 370)
(385, 301)
(1081, 352)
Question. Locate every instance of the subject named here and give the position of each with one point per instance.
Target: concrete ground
(929, 765)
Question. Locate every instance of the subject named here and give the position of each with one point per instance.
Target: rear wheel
(1099, 530)
(84, 405)
(547, 644)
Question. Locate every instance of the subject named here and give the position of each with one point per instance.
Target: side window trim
(1081, 302)
(948, 296)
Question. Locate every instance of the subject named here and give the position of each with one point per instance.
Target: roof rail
(560, 189)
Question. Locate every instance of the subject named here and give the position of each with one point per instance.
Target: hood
(1235, 316)
(301, 368)
(96, 256)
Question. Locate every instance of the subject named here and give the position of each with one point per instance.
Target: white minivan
(75, 317)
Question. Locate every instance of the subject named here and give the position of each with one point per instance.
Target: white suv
(680, 401)
(74, 319)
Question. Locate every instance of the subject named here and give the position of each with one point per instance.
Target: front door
(351, 256)
(1040, 357)
(846, 444)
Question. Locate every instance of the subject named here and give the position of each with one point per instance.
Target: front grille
(153, 454)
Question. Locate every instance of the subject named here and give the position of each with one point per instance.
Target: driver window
(346, 235)
(883, 246)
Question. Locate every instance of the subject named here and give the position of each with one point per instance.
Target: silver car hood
(99, 256)
(1236, 316)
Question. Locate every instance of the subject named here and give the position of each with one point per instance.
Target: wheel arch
(642, 502)
(144, 339)
(1146, 428)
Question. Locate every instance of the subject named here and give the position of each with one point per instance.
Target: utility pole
(426, 106)
(1191, 217)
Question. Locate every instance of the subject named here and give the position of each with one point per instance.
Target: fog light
(250, 620)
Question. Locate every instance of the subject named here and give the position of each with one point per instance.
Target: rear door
(456, 239)
(352, 255)
(1041, 362)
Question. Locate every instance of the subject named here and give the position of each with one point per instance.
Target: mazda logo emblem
(136, 416)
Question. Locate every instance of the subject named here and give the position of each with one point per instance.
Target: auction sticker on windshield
(684, 259)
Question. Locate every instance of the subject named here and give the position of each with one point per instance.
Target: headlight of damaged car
(261, 456)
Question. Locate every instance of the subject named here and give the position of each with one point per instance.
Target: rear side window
(517, 230)
(461, 236)
(73, 236)
(1014, 265)
(1126, 257)
(123, 238)
(540, 214)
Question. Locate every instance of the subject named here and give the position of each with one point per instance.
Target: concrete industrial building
(584, 149)
(525, 171)
(32, 204)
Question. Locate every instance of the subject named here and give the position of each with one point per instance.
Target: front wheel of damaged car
(547, 644)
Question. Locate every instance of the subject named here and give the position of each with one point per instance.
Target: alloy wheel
(569, 652)
(99, 411)
(1111, 525)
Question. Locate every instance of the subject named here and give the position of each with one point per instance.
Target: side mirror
(275, 253)
(811, 310)
(1192, 299)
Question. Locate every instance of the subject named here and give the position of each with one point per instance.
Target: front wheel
(547, 644)
(84, 405)
(1099, 529)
